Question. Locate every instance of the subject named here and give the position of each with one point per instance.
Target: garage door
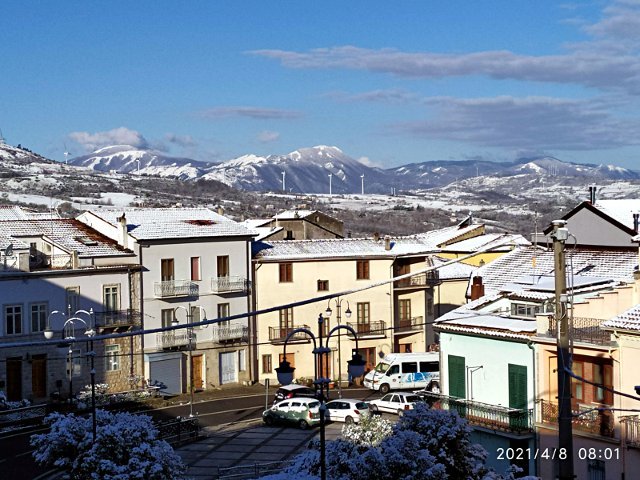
(167, 368)
(228, 367)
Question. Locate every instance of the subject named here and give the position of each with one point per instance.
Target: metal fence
(249, 471)
(582, 329)
(376, 328)
(179, 431)
(631, 430)
(585, 419)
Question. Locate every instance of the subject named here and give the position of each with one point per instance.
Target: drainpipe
(536, 440)
(141, 310)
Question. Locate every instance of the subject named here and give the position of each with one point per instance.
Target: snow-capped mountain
(128, 159)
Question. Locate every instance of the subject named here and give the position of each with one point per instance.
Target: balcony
(422, 280)
(229, 284)
(484, 415)
(278, 335)
(175, 339)
(585, 419)
(230, 333)
(581, 329)
(368, 330)
(412, 324)
(175, 288)
(117, 319)
(40, 261)
(631, 430)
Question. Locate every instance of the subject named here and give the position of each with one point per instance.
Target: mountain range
(316, 169)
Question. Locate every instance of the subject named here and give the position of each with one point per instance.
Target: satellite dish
(8, 252)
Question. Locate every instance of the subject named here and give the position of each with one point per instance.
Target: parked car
(291, 391)
(395, 403)
(345, 410)
(303, 412)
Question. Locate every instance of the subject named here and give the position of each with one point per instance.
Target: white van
(405, 370)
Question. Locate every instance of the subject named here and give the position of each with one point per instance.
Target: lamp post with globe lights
(320, 352)
(347, 313)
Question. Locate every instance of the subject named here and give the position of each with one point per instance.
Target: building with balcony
(388, 316)
(53, 270)
(195, 266)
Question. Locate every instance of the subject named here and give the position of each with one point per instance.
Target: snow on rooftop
(629, 320)
(621, 210)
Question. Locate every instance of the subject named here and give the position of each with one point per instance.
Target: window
(222, 266)
(112, 357)
(404, 310)
(286, 318)
(242, 360)
(362, 270)
(323, 285)
(409, 367)
(596, 470)
(430, 306)
(577, 386)
(286, 272)
(111, 298)
(38, 317)
(195, 314)
(429, 366)
(13, 319)
(603, 375)
(362, 311)
(73, 299)
(224, 310)
(166, 270)
(457, 381)
(525, 310)
(266, 364)
(167, 316)
(195, 268)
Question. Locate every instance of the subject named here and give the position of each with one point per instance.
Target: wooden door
(196, 365)
(14, 379)
(167, 269)
(39, 376)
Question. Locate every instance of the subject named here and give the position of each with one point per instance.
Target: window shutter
(457, 384)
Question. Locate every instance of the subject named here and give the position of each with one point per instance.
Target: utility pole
(565, 435)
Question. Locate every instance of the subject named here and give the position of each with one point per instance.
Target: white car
(345, 410)
(395, 403)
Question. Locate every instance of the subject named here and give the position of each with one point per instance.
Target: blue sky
(389, 83)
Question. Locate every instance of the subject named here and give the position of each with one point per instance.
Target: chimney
(477, 288)
(387, 242)
(636, 221)
(75, 260)
(376, 236)
(220, 210)
(124, 233)
(592, 194)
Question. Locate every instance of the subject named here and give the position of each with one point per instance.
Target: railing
(175, 288)
(485, 415)
(246, 472)
(371, 329)
(22, 415)
(175, 339)
(631, 430)
(409, 324)
(229, 284)
(426, 279)
(230, 333)
(118, 318)
(585, 419)
(179, 431)
(277, 334)
(582, 329)
(40, 260)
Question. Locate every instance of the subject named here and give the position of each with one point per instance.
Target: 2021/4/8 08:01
(559, 453)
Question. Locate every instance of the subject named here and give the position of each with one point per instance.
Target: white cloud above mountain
(117, 136)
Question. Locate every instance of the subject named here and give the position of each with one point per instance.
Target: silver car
(395, 403)
(345, 410)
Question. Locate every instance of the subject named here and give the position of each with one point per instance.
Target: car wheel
(268, 420)
(303, 424)
(384, 388)
(348, 420)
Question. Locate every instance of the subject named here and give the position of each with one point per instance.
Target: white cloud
(369, 163)
(118, 136)
(267, 136)
(185, 141)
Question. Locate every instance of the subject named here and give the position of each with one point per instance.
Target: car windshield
(382, 367)
(413, 398)
(362, 405)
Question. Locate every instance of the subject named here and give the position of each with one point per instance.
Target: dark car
(290, 391)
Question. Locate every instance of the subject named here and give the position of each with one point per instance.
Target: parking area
(247, 450)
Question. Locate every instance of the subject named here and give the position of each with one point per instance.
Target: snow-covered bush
(370, 431)
(6, 405)
(126, 447)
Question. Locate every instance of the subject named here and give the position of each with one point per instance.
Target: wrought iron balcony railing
(370, 329)
(410, 324)
(277, 334)
(176, 338)
(229, 284)
(582, 329)
(631, 430)
(175, 288)
(230, 333)
(117, 318)
(427, 279)
(585, 419)
(485, 415)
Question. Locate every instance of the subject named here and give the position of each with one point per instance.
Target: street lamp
(321, 383)
(69, 333)
(347, 313)
(175, 322)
